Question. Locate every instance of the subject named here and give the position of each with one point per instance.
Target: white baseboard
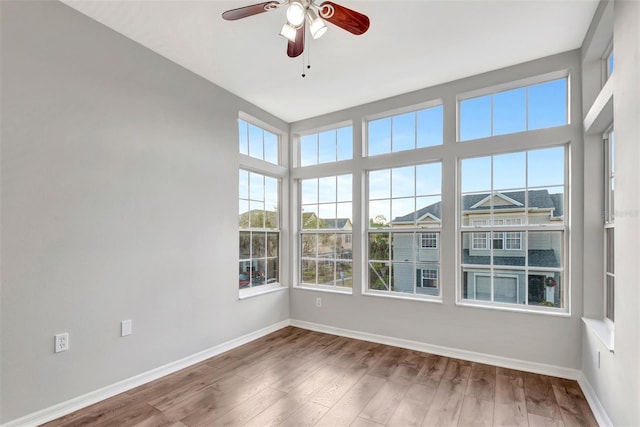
(64, 408)
(522, 365)
(592, 398)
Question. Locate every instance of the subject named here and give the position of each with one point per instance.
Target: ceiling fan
(299, 12)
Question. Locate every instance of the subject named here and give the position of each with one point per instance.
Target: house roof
(538, 199)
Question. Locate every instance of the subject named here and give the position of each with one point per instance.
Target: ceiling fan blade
(254, 9)
(295, 49)
(347, 19)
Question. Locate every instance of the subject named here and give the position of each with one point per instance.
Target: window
(428, 278)
(429, 240)
(325, 232)
(531, 107)
(607, 63)
(257, 142)
(407, 131)
(259, 222)
(517, 199)
(329, 146)
(402, 202)
(609, 226)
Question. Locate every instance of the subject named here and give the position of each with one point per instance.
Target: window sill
(603, 329)
(260, 290)
(519, 309)
(320, 288)
(409, 297)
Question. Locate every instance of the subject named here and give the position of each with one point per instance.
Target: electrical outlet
(62, 342)
(126, 328)
(318, 302)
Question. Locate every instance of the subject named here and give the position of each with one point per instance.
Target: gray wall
(119, 195)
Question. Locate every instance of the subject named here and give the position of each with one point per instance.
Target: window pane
(327, 214)
(245, 245)
(404, 277)
(379, 276)
(545, 249)
(546, 167)
(309, 218)
(476, 284)
(309, 150)
(309, 245)
(271, 148)
(344, 188)
(344, 276)
(379, 136)
(403, 132)
(403, 210)
(429, 212)
(256, 146)
(429, 179)
(327, 189)
(548, 104)
(430, 127)
(243, 137)
(258, 245)
(327, 146)
(379, 213)
(309, 190)
(476, 174)
(403, 181)
(476, 248)
(475, 118)
(379, 246)
(380, 184)
(273, 244)
(256, 186)
(509, 171)
(308, 272)
(345, 143)
(508, 287)
(610, 250)
(510, 111)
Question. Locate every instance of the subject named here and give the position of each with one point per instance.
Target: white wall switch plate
(126, 328)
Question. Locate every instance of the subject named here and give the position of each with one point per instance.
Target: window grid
(527, 112)
(325, 250)
(507, 234)
(609, 226)
(259, 230)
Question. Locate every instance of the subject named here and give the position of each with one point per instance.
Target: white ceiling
(410, 45)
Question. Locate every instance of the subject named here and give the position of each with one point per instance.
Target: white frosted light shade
(317, 28)
(295, 14)
(288, 32)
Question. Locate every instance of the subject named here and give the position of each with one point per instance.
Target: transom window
(328, 146)
(513, 228)
(526, 108)
(407, 131)
(257, 142)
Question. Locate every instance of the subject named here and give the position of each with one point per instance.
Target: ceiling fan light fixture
(296, 13)
(317, 26)
(288, 32)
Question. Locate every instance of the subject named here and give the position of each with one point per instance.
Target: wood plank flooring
(295, 377)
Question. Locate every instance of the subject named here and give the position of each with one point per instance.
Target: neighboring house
(507, 247)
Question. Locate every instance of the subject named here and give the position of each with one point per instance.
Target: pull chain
(306, 66)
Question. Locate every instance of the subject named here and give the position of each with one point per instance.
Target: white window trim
(281, 173)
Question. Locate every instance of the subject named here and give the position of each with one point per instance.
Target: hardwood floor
(295, 377)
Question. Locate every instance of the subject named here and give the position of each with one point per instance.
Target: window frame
(513, 85)
(414, 229)
(609, 226)
(279, 172)
(523, 229)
